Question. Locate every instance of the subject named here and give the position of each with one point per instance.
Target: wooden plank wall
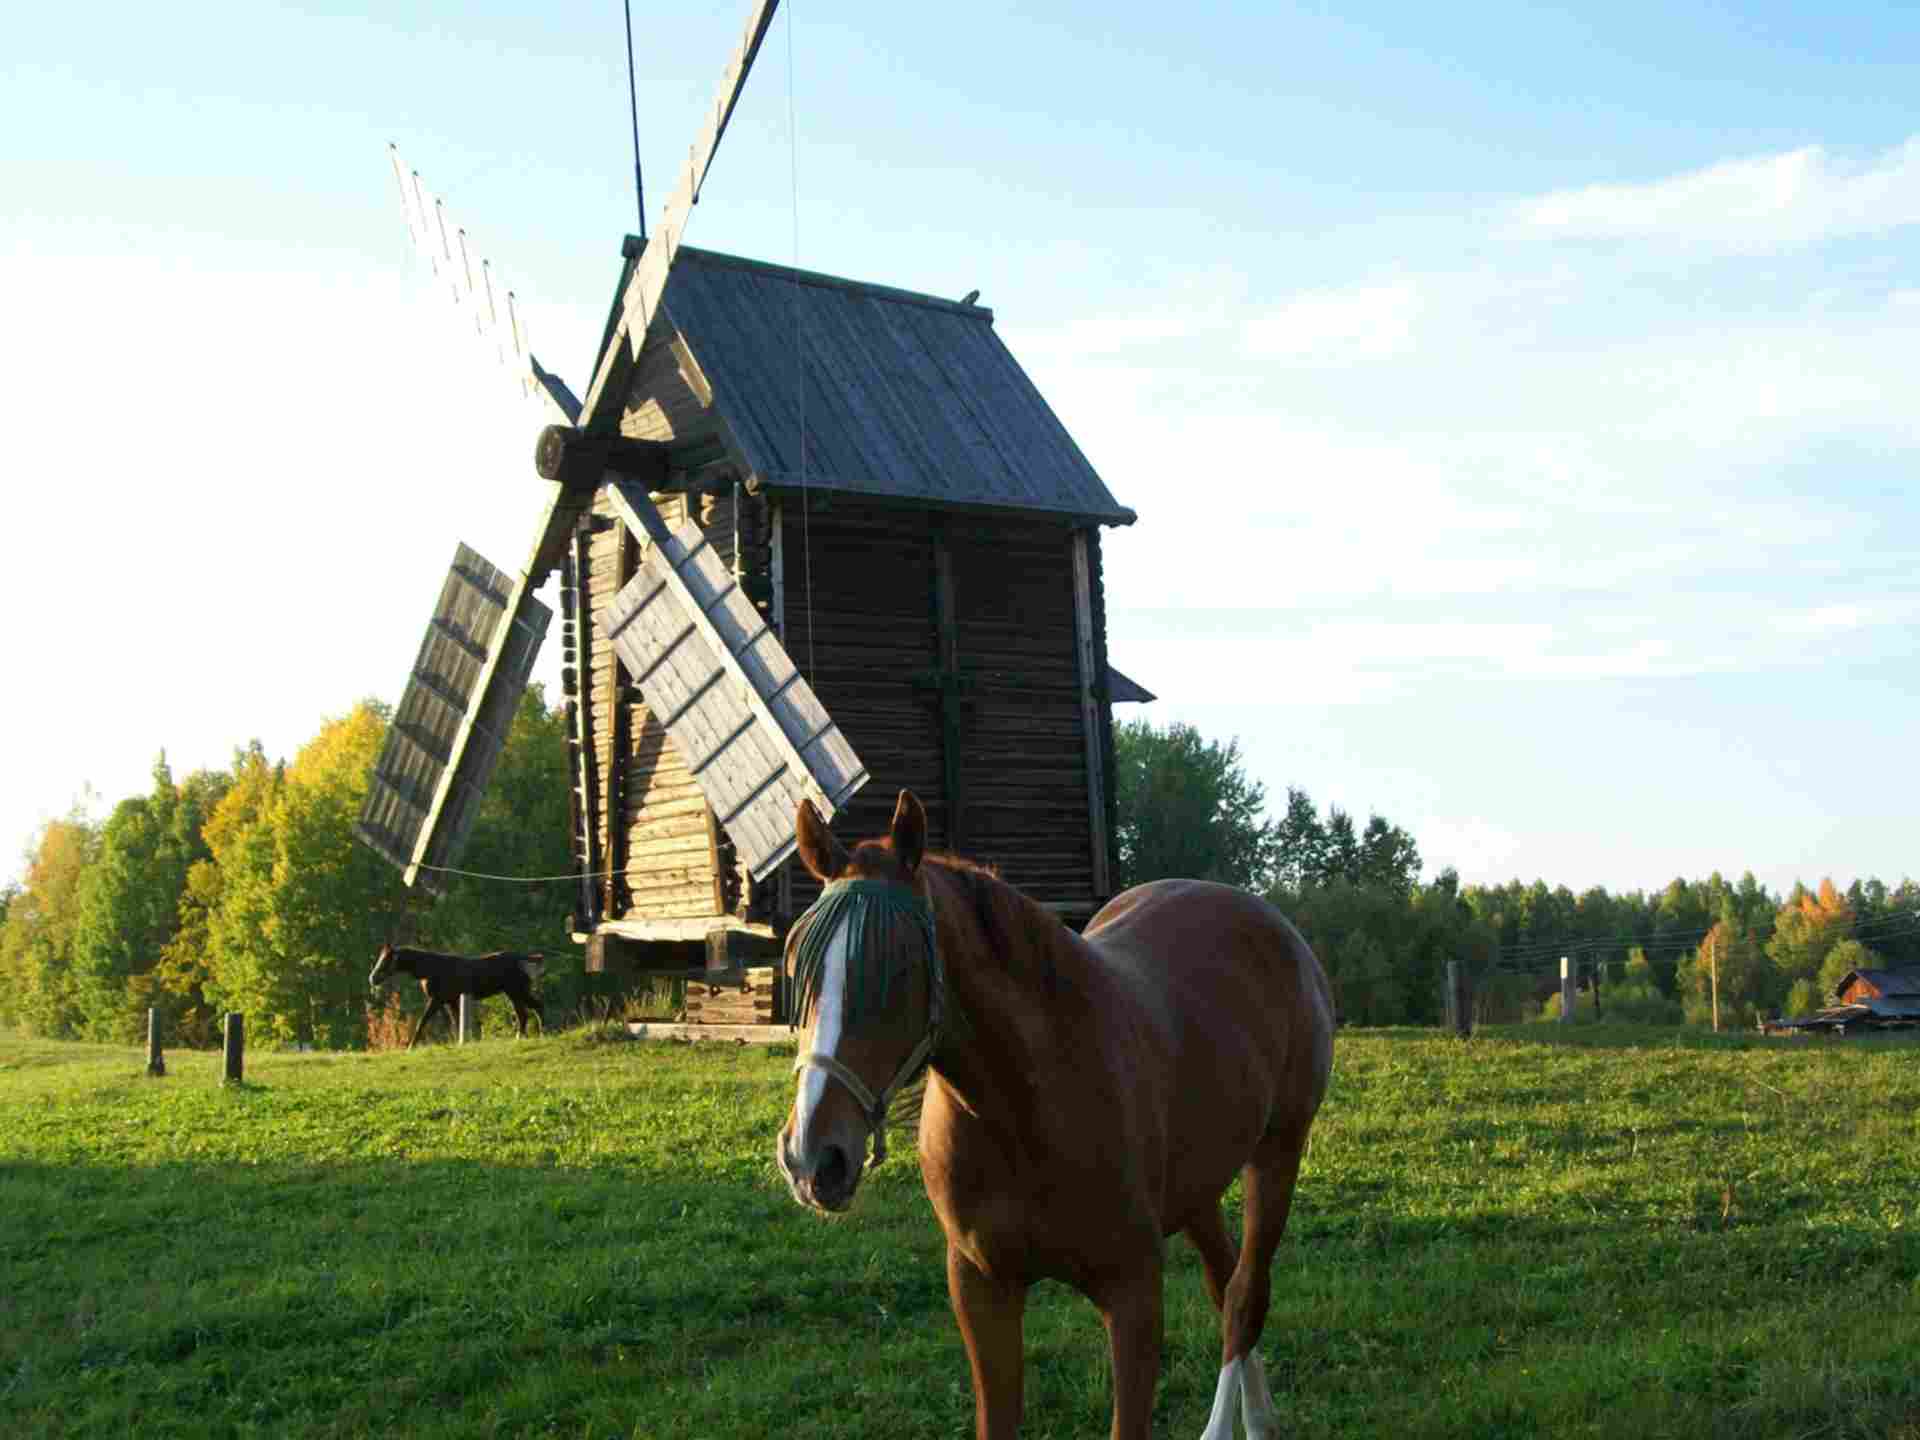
(661, 843)
(861, 636)
(1023, 747)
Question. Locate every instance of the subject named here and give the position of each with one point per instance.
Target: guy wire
(633, 111)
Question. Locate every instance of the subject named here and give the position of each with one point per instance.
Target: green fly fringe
(884, 924)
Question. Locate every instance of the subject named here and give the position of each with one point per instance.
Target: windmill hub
(581, 461)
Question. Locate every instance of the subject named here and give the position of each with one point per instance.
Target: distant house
(1891, 994)
(1869, 1000)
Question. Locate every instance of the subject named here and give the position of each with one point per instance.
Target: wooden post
(466, 1017)
(1566, 990)
(1459, 1000)
(156, 1066)
(235, 1048)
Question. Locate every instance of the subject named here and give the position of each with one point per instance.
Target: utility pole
(1713, 970)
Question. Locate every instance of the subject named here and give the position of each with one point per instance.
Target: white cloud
(1756, 205)
(1482, 852)
(1337, 326)
(1827, 619)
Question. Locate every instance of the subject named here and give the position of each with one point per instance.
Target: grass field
(1614, 1233)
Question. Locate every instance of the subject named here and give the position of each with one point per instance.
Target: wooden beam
(649, 278)
(618, 837)
(777, 563)
(1090, 712)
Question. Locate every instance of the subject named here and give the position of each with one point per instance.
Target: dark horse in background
(445, 978)
(1089, 1095)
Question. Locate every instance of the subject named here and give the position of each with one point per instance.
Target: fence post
(1459, 999)
(1566, 989)
(156, 1065)
(236, 1045)
(466, 1017)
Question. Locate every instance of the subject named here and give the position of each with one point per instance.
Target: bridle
(853, 903)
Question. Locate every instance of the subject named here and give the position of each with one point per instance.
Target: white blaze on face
(829, 1011)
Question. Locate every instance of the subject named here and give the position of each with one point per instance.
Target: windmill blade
(452, 720)
(754, 736)
(601, 407)
(477, 291)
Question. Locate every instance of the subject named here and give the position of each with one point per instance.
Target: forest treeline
(244, 889)
(1188, 808)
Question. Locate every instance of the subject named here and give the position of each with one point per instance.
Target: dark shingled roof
(907, 396)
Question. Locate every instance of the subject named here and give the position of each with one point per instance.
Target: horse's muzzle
(824, 1182)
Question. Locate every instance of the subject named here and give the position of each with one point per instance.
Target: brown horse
(445, 978)
(1089, 1095)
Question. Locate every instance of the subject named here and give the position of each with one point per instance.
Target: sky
(1519, 403)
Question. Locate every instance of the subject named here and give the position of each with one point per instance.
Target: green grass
(1614, 1232)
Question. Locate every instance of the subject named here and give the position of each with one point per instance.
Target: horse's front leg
(433, 1004)
(1131, 1306)
(992, 1317)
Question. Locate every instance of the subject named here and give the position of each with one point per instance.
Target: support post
(156, 1065)
(466, 1017)
(1459, 1000)
(1566, 990)
(234, 1049)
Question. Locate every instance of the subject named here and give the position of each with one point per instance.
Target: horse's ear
(909, 831)
(819, 851)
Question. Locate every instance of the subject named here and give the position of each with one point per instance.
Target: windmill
(769, 457)
(755, 738)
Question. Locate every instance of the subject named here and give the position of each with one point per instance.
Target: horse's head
(382, 966)
(867, 995)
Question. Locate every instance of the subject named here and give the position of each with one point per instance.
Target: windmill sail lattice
(754, 736)
(433, 769)
(708, 664)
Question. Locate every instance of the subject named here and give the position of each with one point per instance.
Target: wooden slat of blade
(475, 288)
(729, 748)
(649, 278)
(758, 739)
(518, 617)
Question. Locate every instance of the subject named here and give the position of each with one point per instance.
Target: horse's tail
(534, 965)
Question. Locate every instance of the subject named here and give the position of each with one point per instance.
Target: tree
(36, 943)
(129, 905)
(521, 831)
(1807, 926)
(232, 806)
(1186, 808)
(1728, 962)
(301, 906)
(1301, 843)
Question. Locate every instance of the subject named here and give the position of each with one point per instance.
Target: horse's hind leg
(1270, 1177)
(1209, 1237)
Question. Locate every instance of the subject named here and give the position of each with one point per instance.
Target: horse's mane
(1012, 926)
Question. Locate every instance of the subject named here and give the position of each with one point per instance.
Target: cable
(633, 108)
(799, 354)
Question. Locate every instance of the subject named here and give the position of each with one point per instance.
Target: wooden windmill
(765, 459)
